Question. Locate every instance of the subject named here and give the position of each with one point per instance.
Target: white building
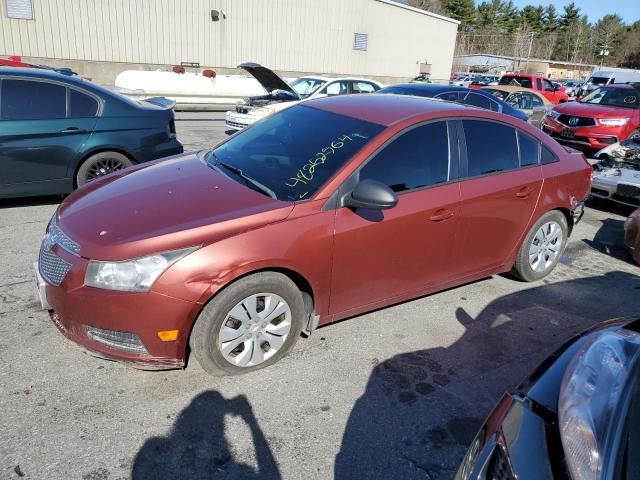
(375, 38)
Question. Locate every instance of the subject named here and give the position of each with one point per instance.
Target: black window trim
(539, 156)
(336, 200)
(99, 99)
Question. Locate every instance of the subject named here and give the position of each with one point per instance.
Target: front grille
(580, 121)
(499, 468)
(56, 235)
(235, 124)
(52, 268)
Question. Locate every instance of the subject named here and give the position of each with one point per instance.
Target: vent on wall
(360, 41)
(22, 9)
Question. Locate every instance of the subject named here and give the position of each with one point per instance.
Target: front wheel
(249, 325)
(99, 165)
(542, 247)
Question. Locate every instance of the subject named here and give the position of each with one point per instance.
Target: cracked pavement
(396, 393)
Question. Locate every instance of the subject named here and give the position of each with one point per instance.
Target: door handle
(441, 215)
(524, 193)
(71, 130)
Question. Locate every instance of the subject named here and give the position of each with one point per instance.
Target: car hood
(269, 80)
(593, 110)
(162, 206)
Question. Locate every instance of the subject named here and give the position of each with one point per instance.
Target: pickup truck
(554, 93)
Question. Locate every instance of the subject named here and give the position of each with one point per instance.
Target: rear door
(499, 191)
(38, 142)
(383, 254)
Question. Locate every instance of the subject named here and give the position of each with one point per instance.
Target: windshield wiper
(250, 182)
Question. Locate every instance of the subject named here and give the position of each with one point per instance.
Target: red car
(555, 93)
(323, 211)
(605, 116)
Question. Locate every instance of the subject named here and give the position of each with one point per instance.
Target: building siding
(286, 35)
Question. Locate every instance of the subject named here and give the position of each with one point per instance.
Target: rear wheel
(250, 325)
(99, 165)
(542, 247)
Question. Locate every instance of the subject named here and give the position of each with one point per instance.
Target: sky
(629, 10)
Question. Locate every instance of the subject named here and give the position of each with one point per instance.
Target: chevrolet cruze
(320, 212)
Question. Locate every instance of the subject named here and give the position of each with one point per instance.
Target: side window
(81, 105)
(29, 100)
(529, 149)
(477, 101)
(363, 87)
(536, 101)
(337, 88)
(485, 156)
(547, 156)
(548, 86)
(448, 96)
(539, 83)
(418, 158)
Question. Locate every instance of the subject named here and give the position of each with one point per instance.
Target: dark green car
(58, 131)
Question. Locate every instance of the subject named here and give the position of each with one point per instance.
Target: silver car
(616, 176)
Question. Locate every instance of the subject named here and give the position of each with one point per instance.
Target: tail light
(171, 129)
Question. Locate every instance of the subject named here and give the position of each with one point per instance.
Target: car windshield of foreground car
(614, 97)
(306, 86)
(290, 155)
(517, 81)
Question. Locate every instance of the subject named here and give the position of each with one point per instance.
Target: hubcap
(104, 167)
(545, 246)
(255, 329)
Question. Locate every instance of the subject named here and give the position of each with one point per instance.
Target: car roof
(387, 109)
(433, 88)
(331, 79)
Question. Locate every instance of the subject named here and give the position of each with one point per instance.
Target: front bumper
(612, 188)
(585, 138)
(238, 121)
(74, 307)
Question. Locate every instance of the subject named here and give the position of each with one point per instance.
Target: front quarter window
(293, 153)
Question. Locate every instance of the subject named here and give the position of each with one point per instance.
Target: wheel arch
(95, 151)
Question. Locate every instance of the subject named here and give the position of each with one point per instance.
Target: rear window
(517, 81)
(477, 101)
(485, 157)
(29, 100)
(82, 105)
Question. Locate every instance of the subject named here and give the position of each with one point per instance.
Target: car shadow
(197, 448)
(609, 239)
(30, 201)
(421, 409)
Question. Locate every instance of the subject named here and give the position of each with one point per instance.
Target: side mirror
(371, 194)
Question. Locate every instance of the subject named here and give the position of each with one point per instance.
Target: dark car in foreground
(576, 417)
(59, 131)
(451, 93)
(327, 209)
(632, 235)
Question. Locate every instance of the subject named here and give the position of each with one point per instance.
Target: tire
(226, 315)
(101, 164)
(529, 268)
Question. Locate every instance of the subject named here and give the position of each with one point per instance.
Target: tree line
(498, 27)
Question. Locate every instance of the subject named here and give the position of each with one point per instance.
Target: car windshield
(614, 97)
(291, 154)
(517, 81)
(306, 86)
(598, 81)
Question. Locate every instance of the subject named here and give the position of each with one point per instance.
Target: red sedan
(606, 116)
(323, 211)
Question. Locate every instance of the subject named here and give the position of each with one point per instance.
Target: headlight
(589, 395)
(613, 122)
(554, 114)
(137, 275)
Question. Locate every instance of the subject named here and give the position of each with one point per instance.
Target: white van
(600, 78)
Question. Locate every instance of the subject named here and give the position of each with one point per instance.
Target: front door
(38, 142)
(498, 195)
(384, 254)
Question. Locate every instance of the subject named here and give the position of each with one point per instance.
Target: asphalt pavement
(396, 393)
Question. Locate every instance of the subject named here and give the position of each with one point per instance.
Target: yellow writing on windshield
(306, 173)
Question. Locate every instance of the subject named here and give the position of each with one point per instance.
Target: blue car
(452, 93)
(58, 131)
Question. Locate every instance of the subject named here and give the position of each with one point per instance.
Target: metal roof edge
(418, 10)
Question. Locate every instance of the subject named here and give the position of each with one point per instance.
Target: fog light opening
(124, 341)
